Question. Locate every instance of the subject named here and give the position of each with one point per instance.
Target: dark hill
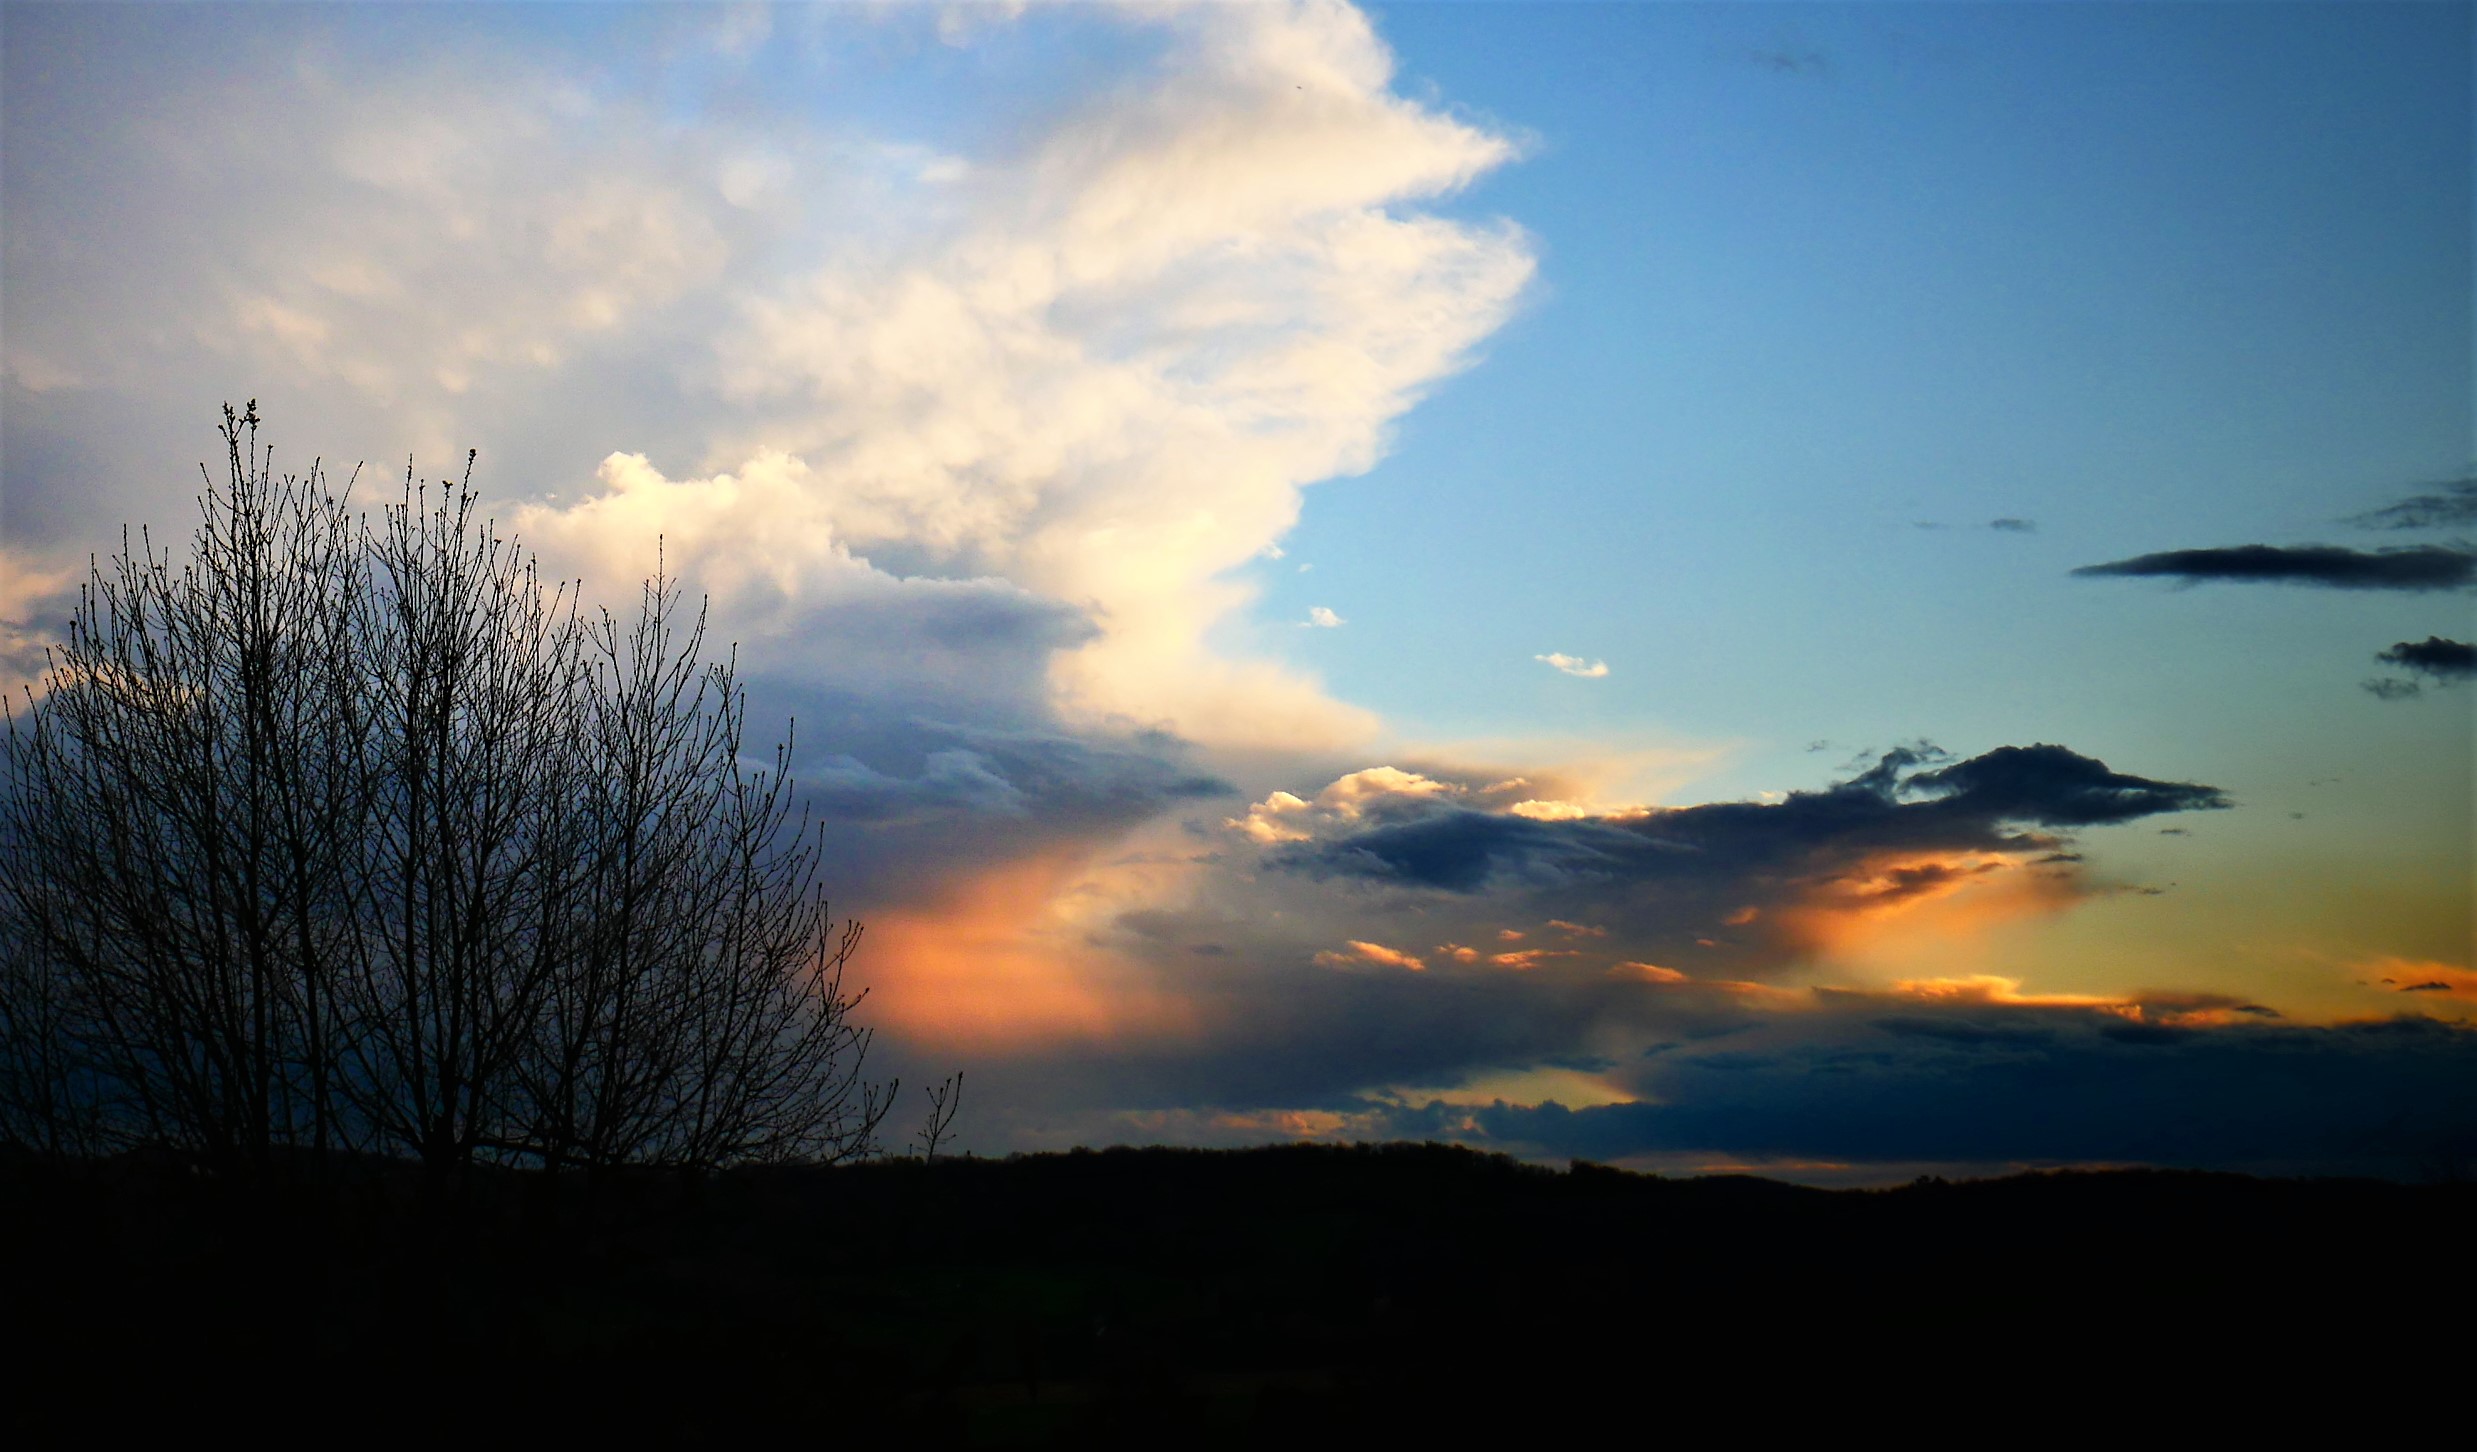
(1194, 1298)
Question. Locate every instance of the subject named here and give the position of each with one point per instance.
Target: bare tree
(701, 1017)
(337, 835)
(167, 828)
(945, 1102)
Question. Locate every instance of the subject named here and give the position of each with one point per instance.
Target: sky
(1842, 591)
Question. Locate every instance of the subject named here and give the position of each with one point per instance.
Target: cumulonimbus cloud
(1108, 376)
(1095, 355)
(964, 433)
(2336, 567)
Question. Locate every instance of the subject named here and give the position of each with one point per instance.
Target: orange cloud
(1989, 988)
(1372, 953)
(1652, 971)
(1899, 903)
(993, 963)
(1458, 953)
(1577, 930)
(2180, 1010)
(1761, 995)
(1531, 957)
(2424, 977)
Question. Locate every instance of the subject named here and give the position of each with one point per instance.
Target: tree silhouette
(352, 836)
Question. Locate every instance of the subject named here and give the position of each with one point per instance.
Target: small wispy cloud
(1323, 618)
(1575, 665)
(2013, 526)
(2451, 503)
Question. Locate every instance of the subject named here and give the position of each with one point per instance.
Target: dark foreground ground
(1169, 1298)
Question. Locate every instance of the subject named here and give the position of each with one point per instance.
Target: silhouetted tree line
(1390, 1295)
(344, 835)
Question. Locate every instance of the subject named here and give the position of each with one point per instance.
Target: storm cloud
(2335, 567)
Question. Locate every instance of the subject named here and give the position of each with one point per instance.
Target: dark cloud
(2446, 504)
(2014, 526)
(2416, 567)
(2392, 688)
(2053, 787)
(1459, 849)
(2444, 660)
(913, 802)
(1990, 1082)
(1904, 801)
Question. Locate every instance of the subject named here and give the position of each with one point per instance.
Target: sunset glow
(1787, 585)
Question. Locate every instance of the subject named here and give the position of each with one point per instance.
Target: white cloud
(1285, 817)
(1094, 354)
(1574, 665)
(1219, 267)
(1323, 617)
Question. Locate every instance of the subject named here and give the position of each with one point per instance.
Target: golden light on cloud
(996, 963)
(1550, 811)
(1287, 817)
(1573, 1088)
(2425, 979)
(1531, 957)
(28, 586)
(1907, 908)
(1991, 988)
(1378, 953)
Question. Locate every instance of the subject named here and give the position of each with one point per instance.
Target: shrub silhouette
(345, 835)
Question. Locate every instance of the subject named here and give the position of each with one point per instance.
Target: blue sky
(1026, 383)
(2134, 275)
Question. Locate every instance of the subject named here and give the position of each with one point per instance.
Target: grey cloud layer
(1873, 1080)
